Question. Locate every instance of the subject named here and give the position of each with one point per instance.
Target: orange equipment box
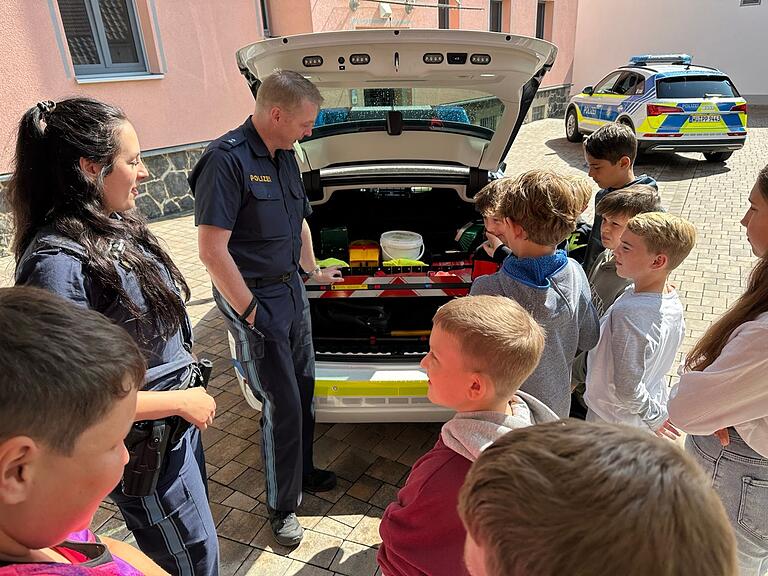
(363, 253)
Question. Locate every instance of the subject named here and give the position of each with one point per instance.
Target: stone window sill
(97, 79)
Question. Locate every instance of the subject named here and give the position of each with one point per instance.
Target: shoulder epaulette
(231, 139)
(61, 243)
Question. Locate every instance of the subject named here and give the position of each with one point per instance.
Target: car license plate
(705, 118)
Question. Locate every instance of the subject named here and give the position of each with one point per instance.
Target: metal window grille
(103, 36)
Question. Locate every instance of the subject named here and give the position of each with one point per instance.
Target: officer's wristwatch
(315, 271)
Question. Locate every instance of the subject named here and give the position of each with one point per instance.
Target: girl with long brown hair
(721, 400)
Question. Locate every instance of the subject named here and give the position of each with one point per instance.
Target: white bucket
(401, 244)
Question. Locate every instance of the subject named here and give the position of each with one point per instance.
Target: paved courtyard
(373, 460)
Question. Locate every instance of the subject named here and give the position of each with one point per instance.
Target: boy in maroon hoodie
(482, 348)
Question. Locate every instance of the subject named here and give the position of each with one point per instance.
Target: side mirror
(589, 90)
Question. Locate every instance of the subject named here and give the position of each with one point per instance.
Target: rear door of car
(702, 104)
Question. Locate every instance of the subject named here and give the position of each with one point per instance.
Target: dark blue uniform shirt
(59, 265)
(238, 187)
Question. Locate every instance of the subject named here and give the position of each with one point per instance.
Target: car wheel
(627, 123)
(717, 156)
(572, 127)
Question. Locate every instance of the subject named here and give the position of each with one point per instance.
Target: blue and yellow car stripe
(686, 122)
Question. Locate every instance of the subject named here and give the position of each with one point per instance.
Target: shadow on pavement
(669, 167)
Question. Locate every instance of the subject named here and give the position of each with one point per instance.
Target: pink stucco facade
(518, 17)
(194, 91)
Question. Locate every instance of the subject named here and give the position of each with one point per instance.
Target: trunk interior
(390, 327)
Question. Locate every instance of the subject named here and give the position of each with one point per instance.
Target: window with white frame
(103, 36)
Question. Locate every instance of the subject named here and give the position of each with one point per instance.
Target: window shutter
(79, 32)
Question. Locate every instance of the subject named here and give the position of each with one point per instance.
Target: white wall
(718, 33)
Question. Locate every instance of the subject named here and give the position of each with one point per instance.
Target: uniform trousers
(276, 357)
(174, 526)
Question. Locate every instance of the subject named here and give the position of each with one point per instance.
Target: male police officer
(251, 209)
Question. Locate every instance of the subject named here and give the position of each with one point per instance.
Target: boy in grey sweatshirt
(536, 211)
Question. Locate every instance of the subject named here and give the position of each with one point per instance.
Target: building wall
(200, 94)
(519, 18)
(716, 33)
(195, 91)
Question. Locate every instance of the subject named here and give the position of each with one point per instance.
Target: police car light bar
(659, 58)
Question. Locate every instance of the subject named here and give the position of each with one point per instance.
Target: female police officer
(72, 196)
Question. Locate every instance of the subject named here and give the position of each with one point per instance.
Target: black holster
(149, 440)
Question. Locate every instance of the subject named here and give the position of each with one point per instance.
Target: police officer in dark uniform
(253, 237)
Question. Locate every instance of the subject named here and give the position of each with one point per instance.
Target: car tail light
(740, 108)
(658, 109)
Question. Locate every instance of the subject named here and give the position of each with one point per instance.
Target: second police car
(671, 104)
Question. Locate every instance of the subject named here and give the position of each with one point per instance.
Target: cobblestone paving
(372, 460)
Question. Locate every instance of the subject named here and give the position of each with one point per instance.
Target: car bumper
(683, 144)
(374, 392)
(365, 392)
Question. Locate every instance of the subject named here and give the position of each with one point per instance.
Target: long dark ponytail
(48, 188)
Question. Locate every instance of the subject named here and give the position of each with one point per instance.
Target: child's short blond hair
(582, 188)
(665, 233)
(574, 497)
(543, 202)
(497, 338)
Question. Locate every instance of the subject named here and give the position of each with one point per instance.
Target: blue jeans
(740, 477)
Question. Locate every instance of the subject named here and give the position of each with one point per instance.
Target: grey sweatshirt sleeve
(630, 347)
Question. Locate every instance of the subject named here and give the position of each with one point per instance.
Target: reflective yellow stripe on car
(367, 388)
(699, 122)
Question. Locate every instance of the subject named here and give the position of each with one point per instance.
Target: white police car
(671, 104)
(413, 124)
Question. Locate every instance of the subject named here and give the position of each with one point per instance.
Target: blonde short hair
(497, 338)
(544, 203)
(582, 188)
(574, 497)
(287, 89)
(665, 233)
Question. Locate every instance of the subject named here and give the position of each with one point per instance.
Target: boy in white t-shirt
(642, 331)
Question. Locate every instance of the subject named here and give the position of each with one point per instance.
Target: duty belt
(268, 281)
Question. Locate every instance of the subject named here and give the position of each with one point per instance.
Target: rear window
(695, 87)
(438, 109)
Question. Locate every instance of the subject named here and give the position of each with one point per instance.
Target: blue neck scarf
(535, 272)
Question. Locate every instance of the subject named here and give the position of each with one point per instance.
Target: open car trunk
(385, 312)
(413, 123)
